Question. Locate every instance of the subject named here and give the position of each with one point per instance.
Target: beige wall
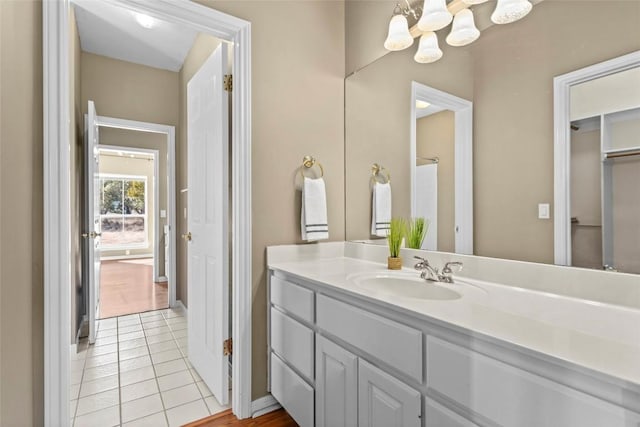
(202, 48)
(435, 137)
(377, 126)
(21, 249)
(608, 94)
(626, 215)
(129, 91)
(297, 106)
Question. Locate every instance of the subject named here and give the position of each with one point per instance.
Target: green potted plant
(397, 230)
(416, 231)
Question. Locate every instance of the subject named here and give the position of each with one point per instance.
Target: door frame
(562, 145)
(156, 196)
(463, 155)
(170, 132)
(57, 211)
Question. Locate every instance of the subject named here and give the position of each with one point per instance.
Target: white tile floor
(138, 374)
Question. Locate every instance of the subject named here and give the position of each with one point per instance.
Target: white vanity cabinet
(340, 360)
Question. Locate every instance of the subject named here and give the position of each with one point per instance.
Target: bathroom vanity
(351, 343)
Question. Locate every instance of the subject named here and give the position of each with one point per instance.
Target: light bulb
(145, 20)
(399, 37)
(508, 11)
(428, 49)
(463, 30)
(435, 15)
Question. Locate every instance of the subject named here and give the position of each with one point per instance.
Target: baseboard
(264, 405)
(118, 257)
(162, 279)
(181, 306)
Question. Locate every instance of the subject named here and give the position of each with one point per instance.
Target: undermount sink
(406, 285)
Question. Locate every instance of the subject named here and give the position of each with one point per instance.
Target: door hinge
(227, 347)
(228, 82)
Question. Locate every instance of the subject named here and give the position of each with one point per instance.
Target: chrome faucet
(447, 273)
(431, 273)
(427, 272)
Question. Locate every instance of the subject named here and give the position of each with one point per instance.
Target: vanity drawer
(293, 393)
(293, 341)
(391, 342)
(510, 396)
(292, 298)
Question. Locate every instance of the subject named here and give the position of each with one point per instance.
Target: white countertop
(599, 336)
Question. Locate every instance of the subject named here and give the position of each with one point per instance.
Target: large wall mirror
(507, 75)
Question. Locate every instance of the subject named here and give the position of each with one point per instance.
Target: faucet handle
(447, 267)
(422, 264)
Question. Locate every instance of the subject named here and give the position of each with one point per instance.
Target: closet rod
(624, 154)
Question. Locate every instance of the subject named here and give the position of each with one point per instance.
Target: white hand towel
(313, 222)
(381, 209)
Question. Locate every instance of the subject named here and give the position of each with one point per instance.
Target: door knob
(187, 236)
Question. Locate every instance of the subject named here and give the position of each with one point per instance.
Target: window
(123, 211)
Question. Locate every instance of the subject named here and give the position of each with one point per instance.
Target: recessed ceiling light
(422, 104)
(145, 20)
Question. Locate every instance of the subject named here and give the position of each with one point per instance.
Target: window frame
(123, 177)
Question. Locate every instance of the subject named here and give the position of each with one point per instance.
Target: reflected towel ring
(308, 162)
(377, 169)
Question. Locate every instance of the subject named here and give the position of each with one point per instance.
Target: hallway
(127, 287)
(137, 373)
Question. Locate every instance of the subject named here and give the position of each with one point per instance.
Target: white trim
(120, 257)
(562, 145)
(463, 110)
(57, 211)
(57, 216)
(157, 233)
(264, 405)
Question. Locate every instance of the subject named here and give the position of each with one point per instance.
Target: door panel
(207, 218)
(384, 401)
(336, 385)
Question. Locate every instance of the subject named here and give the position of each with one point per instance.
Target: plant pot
(394, 263)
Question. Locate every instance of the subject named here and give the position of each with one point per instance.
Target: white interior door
(93, 225)
(208, 202)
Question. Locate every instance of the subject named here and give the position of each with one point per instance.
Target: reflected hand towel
(381, 209)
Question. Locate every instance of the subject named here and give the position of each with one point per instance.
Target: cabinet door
(336, 385)
(384, 401)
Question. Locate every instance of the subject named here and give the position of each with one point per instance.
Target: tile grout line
(155, 374)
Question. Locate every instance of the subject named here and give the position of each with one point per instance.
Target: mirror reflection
(507, 74)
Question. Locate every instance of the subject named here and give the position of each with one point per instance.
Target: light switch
(543, 211)
(163, 213)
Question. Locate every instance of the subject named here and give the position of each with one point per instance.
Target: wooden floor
(127, 287)
(278, 418)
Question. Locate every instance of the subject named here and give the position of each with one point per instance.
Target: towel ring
(377, 169)
(308, 162)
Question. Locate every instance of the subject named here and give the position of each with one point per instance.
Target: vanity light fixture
(399, 37)
(463, 30)
(437, 14)
(508, 11)
(428, 49)
(145, 21)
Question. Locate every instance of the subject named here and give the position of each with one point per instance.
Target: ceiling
(112, 31)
